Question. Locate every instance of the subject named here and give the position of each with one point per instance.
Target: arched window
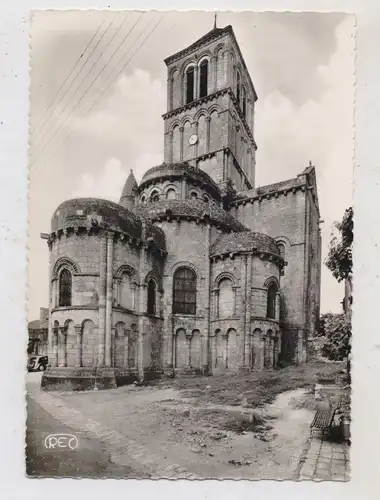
(226, 304)
(193, 195)
(271, 301)
(184, 291)
(243, 101)
(281, 247)
(65, 288)
(203, 80)
(238, 87)
(170, 194)
(154, 196)
(206, 198)
(151, 309)
(143, 199)
(190, 84)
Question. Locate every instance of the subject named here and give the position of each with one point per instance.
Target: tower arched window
(281, 247)
(203, 80)
(271, 301)
(238, 85)
(151, 306)
(171, 194)
(154, 196)
(184, 291)
(243, 101)
(190, 84)
(65, 288)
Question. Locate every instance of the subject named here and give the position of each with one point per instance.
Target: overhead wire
(113, 79)
(49, 106)
(88, 72)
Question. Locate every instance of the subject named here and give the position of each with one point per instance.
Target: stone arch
(184, 263)
(181, 349)
(206, 54)
(232, 349)
(175, 123)
(70, 343)
(125, 269)
(119, 345)
(195, 350)
(89, 343)
(171, 188)
(223, 275)
(65, 262)
(271, 280)
(218, 48)
(214, 108)
(199, 113)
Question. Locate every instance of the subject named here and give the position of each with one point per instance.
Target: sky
(98, 92)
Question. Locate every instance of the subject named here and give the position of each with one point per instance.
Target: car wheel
(41, 368)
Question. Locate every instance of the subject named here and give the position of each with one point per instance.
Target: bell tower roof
(130, 187)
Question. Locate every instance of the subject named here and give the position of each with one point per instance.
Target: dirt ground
(246, 426)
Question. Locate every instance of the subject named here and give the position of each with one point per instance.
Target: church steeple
(210, 111)
(127, 199)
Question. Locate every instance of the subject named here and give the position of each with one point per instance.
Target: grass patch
(256, 388)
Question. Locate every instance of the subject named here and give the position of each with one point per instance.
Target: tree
(337, 333)
(337, 328)
(339, 258)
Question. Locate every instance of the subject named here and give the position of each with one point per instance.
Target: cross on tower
(215, 14)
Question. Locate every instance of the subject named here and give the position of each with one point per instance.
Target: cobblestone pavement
(324, 460)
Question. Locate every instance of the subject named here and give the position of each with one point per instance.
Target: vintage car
(37, 363)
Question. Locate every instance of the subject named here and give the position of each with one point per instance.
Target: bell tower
(210, 109)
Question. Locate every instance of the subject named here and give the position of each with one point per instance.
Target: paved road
(90, 459)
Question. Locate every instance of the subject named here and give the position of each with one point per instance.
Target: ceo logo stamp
(61, 441)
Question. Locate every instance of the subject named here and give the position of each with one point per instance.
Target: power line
(88, 88)
(88, 72)
(71, 72)
(106, 89)
(125, 65)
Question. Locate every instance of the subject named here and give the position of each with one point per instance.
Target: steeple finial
(215, 14)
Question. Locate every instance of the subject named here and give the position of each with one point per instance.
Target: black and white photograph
(190, 284)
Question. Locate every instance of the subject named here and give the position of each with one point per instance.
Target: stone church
(195, 270)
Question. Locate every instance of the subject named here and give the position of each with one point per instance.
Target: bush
(337, 330)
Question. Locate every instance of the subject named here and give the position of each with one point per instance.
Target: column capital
(78, 329)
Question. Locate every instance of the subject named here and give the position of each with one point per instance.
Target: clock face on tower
(193, 139)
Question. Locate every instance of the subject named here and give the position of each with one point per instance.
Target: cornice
(267, 196)
(262, 254)
(211, 97)
(149, 244)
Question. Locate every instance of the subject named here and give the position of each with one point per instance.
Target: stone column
(62, 347)
(196, 83)
(208, 127)
(181, 143)
(78, 347)
(169, 93)
(126, 347)
(102, 300)
(108, 329)
(54, 347)
(214, 73)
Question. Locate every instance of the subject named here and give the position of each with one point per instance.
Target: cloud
(289, 136)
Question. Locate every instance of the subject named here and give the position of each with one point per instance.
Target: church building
(195, 270)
